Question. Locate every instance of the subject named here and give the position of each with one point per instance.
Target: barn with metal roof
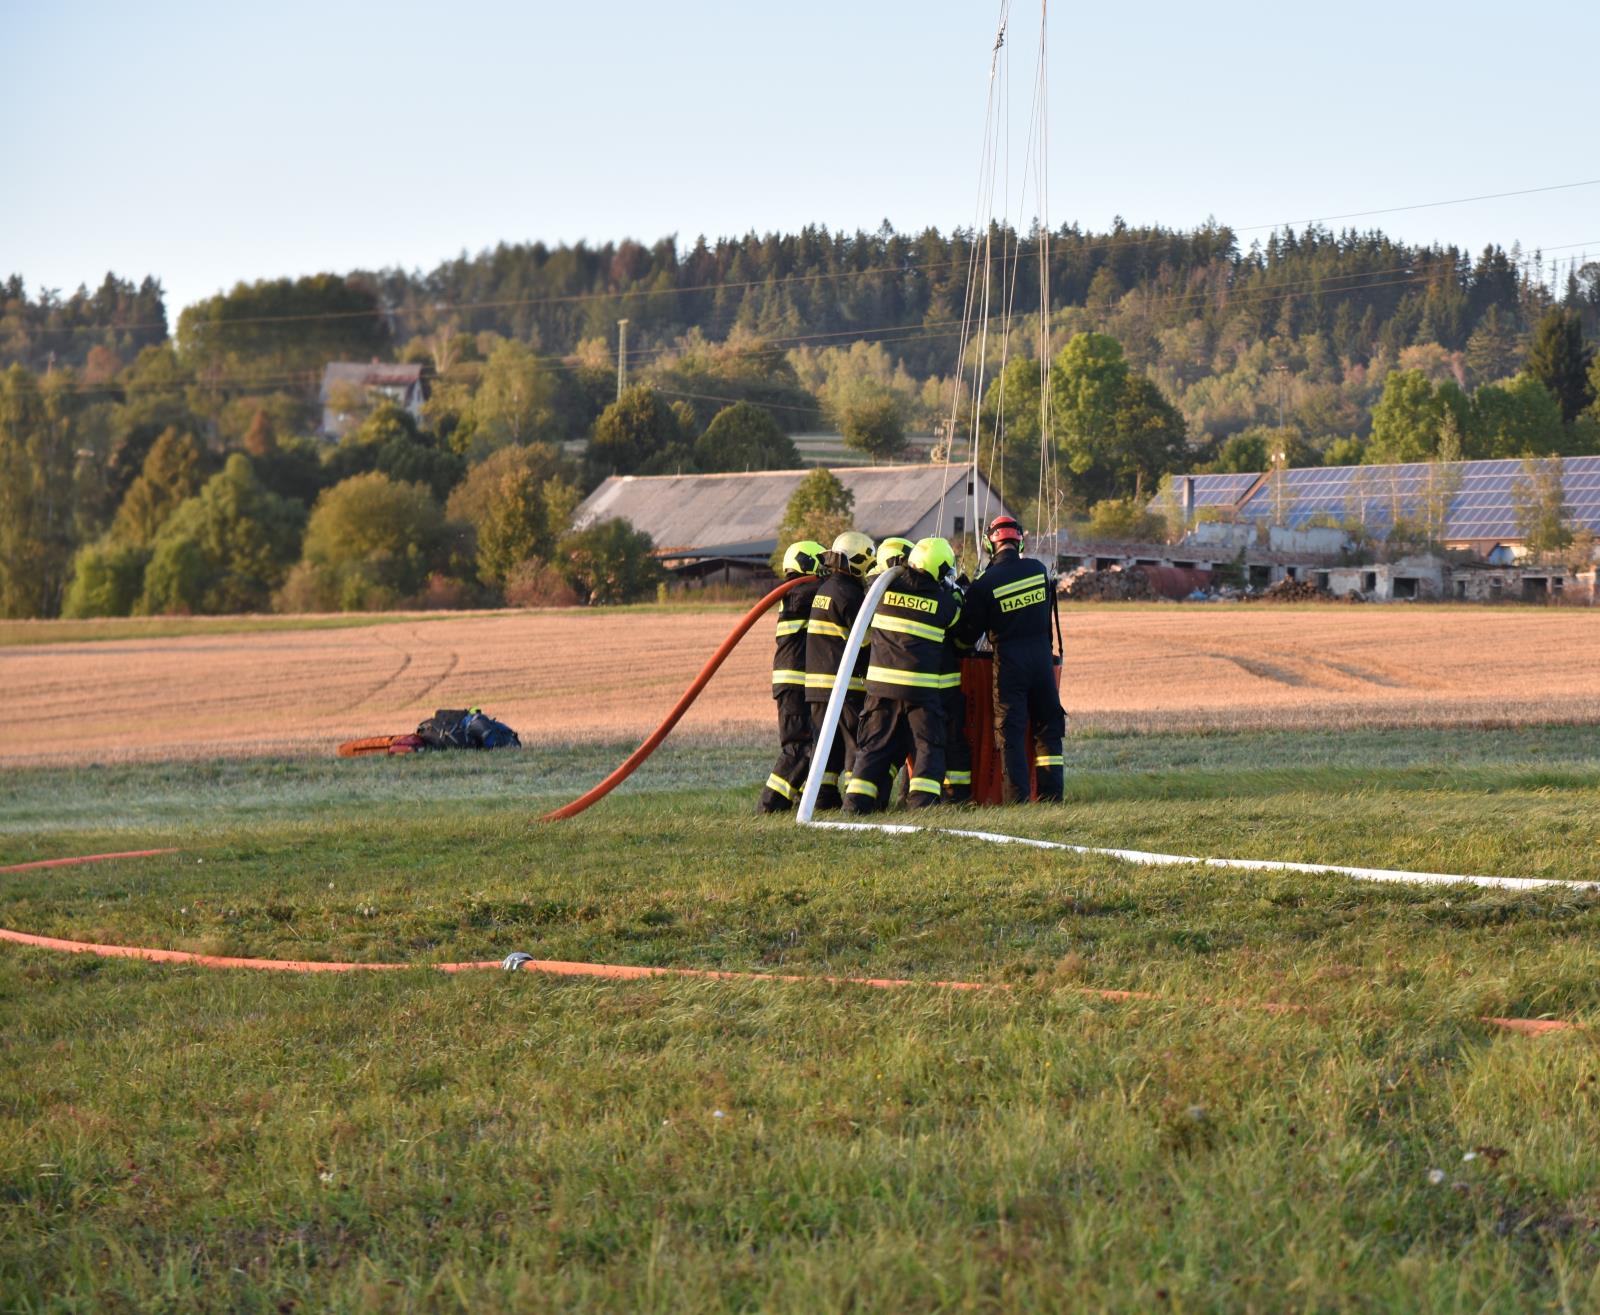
(703, 524)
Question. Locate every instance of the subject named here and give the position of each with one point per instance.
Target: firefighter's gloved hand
(963, 580)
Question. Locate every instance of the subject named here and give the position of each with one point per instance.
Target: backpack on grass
(466, 728)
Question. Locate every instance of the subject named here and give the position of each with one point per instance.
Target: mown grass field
(175, 1139)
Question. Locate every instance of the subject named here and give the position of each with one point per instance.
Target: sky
(207, 144)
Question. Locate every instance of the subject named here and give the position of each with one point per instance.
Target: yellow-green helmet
(891, 552)
(935, 556)
(856, 551)
(803, 558)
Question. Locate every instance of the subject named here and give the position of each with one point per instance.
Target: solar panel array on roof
(1482, 503)
(1221, 490)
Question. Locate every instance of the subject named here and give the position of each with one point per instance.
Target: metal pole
(622, 357)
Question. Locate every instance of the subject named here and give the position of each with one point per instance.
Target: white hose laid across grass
(830, 727)
(1145, 859)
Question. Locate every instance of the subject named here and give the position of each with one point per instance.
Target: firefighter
(1011, 603)
(891, 552)
(906, 680)
(833, 612)
(802, 561)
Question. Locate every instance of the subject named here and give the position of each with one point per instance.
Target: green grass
(173, 1138)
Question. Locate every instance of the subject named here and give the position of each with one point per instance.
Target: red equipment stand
(977, 686)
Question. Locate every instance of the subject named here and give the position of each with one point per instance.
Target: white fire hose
(830, 728)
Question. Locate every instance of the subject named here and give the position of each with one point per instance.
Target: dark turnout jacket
(910, 660)
(789, 658)
(1009, 602)
(834, 606)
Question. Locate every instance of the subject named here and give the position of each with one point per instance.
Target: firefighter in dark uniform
(906, 680)
(803, 562)
(833, 612)
(891, 553)
(1011, 603)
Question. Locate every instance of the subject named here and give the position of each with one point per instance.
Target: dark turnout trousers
(788, 776)
(890, 728)
(842, 753)
(957, 748)
(1025, 699)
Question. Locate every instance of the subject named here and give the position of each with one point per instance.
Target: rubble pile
(1115, 584)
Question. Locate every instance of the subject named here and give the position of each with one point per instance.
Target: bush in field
(225, 549)
(536, 583)
(370, 543)
(610, 562)
(107, 578)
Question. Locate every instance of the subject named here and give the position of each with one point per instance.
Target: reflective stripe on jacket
(794, 611)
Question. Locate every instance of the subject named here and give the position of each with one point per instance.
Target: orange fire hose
(689, 696)
(630, 972)
(621, 972)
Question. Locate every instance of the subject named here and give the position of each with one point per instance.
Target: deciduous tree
(225, 549)
(36, 491)
(820, 508)
(1539, 500)
(518, 502)
(639, 434)
(874, 426)
(610, 562)
(744, 437)
(173, 471)
(515, 399)
(371, 542)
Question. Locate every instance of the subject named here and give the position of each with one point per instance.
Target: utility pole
(622, 357)
(1282, 372)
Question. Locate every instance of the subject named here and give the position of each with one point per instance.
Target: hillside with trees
(155, 471)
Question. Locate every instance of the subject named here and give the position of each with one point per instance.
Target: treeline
(134, 504)
(1301, 329)
(96, 332)
(1365, 292)
(131, 461)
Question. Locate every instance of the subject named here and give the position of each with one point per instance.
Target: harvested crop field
(608, 676)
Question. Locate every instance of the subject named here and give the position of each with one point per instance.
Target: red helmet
(1002, 530)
